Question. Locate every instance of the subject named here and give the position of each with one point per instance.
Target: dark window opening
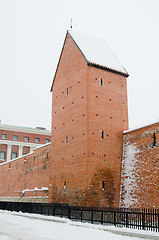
(154, 139)
(67, 91)
(66, 139)
(102, 134)
(64, 184)
(153, 144)
(101, 82)
(103, 185)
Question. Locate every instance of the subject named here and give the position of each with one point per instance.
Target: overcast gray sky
(31, 37)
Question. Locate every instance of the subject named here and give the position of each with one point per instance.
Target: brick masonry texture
(86, 167)
(90, 162)
(140, 174)
(28, 172)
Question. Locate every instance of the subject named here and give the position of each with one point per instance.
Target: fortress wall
(26, 178)
(140, 168)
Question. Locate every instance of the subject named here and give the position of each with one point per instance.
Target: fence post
(92, 217)
(114, 218)
(69, 212)
(101, 217)
(81, 215)
(53, 212)
(126, 219)
(143, 221)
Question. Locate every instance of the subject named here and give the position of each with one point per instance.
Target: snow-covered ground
(22, 226)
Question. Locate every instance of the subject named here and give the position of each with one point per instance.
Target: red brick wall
(107, 112)
(87, 159)
(69, 118)
(140, 175)
(28, 172)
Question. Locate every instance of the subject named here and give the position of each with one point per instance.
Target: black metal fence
(146, 219)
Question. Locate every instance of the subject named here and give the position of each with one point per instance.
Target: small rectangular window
(26, 139)
(47, 140)
(64, 184)
(14, 155)
(4, 136)
(2, 155)
(101, 82)
(15, 137)
(37, 140)
(66, 139)
(103, 185)
(154, 139)
(102, 134)
(67, 91)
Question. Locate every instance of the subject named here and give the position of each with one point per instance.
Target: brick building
(17, 141)
(93, 159)
(89, 102)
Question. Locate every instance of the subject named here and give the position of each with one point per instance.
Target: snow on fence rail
(145, 219)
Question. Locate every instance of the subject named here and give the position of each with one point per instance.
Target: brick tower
(89, 114)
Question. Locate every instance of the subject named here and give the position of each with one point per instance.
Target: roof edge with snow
(101, 61)
(141, 127)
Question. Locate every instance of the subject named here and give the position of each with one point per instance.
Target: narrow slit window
(154, 139)
(66, 139)
(67, 91)
(103, 185)
(102, 134)
(64, 184)
(101, 82)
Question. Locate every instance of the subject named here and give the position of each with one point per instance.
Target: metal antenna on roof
(71, 24)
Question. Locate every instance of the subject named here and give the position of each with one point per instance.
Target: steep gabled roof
(97, 53)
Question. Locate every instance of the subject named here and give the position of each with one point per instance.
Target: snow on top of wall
(97, 51)
(128, 175)
(142, 126)
(35, 189)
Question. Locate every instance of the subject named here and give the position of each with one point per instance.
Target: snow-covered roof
(96, 51)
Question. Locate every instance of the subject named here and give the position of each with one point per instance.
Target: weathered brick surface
(140, 175)
(81, 109)
(85, 163)
(28, 172)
